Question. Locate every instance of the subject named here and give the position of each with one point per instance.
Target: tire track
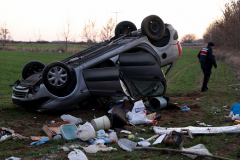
(177, 73)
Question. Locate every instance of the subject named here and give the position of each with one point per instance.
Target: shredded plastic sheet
(199, 130)
(95, 148)
(200, 149)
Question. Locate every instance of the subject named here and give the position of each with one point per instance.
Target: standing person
(207, 60)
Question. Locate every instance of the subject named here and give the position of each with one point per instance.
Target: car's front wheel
(56, 76)
(153, 27)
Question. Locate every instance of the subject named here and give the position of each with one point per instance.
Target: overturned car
(127, 66)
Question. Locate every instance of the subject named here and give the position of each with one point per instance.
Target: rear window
(149, 88)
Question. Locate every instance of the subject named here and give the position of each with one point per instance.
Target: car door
(142, 74)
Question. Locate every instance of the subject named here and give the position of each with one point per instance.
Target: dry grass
(232, 58)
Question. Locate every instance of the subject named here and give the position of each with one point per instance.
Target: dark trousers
(207, 74)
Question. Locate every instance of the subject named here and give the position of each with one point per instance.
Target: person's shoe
(206, 88)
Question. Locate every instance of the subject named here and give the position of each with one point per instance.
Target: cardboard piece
(54, 128)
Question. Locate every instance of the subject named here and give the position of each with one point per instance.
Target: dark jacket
(207, 58)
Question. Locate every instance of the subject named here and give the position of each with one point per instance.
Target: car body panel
(108, 82)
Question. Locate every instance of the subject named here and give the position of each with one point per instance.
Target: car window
(149, 88)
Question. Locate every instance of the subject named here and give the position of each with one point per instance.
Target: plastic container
(157, 103)
(101, 123)
(68, 131)
(84, 135)
(236, 108)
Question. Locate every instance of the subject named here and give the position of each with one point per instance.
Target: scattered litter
(200, 130)
(99, 141)
(131, 136)
(138, 118)
(188, 132)
(6, 133)
(198, 99)
(185, 108)
(41, 141)
(110, 111)
(95, 148)
(151, 116)
(144, 143)
(157, 103)
(13, 158)
(118, 117)
(68, 131)
(236, 122)
(203, 124)
(236, 108)
(85, 132)
(72, 119)
(129, 145)
(35, 117)
(77, 155)
(57, 136)
(200, 148)
(101, 123)
(110, 130)
(52, 121)
(174, 138)
(127, 132)
(225, 106)
(236, 117)
(54, 128)
(141, 138)
(36, 138)
(160, 139)
(66, 149)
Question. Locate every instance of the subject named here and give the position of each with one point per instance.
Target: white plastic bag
(138, 118)
(77, 155)
(74, 120)
(236, 117)
(138, 107)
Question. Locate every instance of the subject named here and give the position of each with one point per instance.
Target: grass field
(72, 48)
(184, 83)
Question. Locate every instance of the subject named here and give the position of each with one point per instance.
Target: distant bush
(189, 38)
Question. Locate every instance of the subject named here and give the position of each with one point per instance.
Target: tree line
(225, 31)
(90, 33)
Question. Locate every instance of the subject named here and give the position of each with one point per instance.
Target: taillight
(179, 48)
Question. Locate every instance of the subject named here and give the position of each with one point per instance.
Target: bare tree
(189, 38)
(66, 33)
(107, 31)
(4, 34)
(90, 32)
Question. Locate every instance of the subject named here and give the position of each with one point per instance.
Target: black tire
(56, 76)
(153, 27)
(31, 68)
(124, 27)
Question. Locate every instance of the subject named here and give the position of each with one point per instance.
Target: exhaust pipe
(158, 103)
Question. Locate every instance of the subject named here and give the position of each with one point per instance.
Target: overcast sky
(24, 16)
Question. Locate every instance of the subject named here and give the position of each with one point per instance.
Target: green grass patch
(185, 77)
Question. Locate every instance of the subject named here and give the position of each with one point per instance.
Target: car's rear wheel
(153, 27)
(56, 76)
(124, 27)
(31, 68)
